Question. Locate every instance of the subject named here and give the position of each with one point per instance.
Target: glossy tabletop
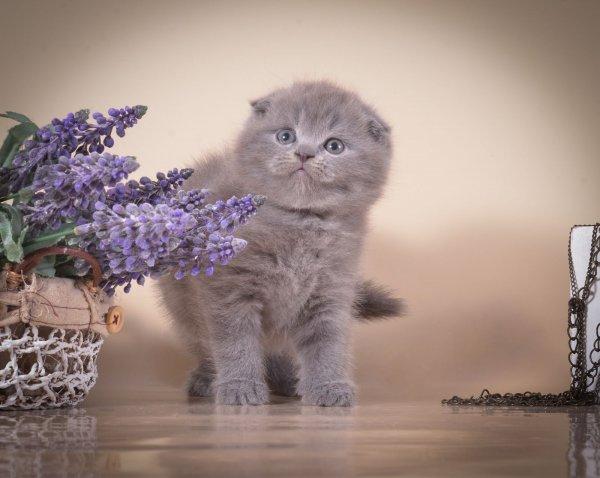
(158, 432)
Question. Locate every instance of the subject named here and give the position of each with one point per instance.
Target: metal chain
(581, 377)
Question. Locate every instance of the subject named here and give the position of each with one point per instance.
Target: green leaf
(12, 148)
(8, 149)
(23, 131)
(12, 250)
(16, 218)
(46, 267)
(15, 138)
(21, 118)
(48, 239)
(22, 236)
(40, 245)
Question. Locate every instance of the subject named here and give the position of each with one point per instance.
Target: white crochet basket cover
(51, 330)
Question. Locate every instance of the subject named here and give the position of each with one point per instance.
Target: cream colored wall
(495, 109)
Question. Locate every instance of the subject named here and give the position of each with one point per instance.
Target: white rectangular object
(581, 243)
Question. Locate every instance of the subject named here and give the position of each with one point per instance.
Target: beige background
(495, 108)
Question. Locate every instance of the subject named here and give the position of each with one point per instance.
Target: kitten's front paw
(331, 394)
(242, 392)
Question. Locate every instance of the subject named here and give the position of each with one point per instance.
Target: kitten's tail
(375, 302)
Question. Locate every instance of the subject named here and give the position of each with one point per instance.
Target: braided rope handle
(32, 260)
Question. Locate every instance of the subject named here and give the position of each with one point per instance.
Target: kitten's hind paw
(200, 383)
(284, 388)
(331, 394)
(242, 392)
(281, 375)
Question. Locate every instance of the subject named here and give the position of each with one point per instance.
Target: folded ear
(377, 128)
(260, 106)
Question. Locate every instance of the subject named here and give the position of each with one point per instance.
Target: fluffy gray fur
(279, 316)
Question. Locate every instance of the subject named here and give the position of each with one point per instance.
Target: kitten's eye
(334, 146)
(286, 136)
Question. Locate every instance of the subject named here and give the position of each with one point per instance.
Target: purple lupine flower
(136, 229)
(133, 241)
(137, 241)
(222, 250)
(96, 137)
(200, 253)
(190, 200)
(210, 247)
(59, 138)
(227, 215)
(62, 137)
(68, 190)
(150, 191)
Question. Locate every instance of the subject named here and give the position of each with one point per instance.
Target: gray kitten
(280, 315)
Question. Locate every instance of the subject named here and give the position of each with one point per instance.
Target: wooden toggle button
(114, 319)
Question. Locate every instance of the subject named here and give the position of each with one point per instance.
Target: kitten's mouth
(300, 170)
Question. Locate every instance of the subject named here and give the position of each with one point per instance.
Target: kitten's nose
(303, 156)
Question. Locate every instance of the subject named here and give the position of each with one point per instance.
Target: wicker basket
(51, 330)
